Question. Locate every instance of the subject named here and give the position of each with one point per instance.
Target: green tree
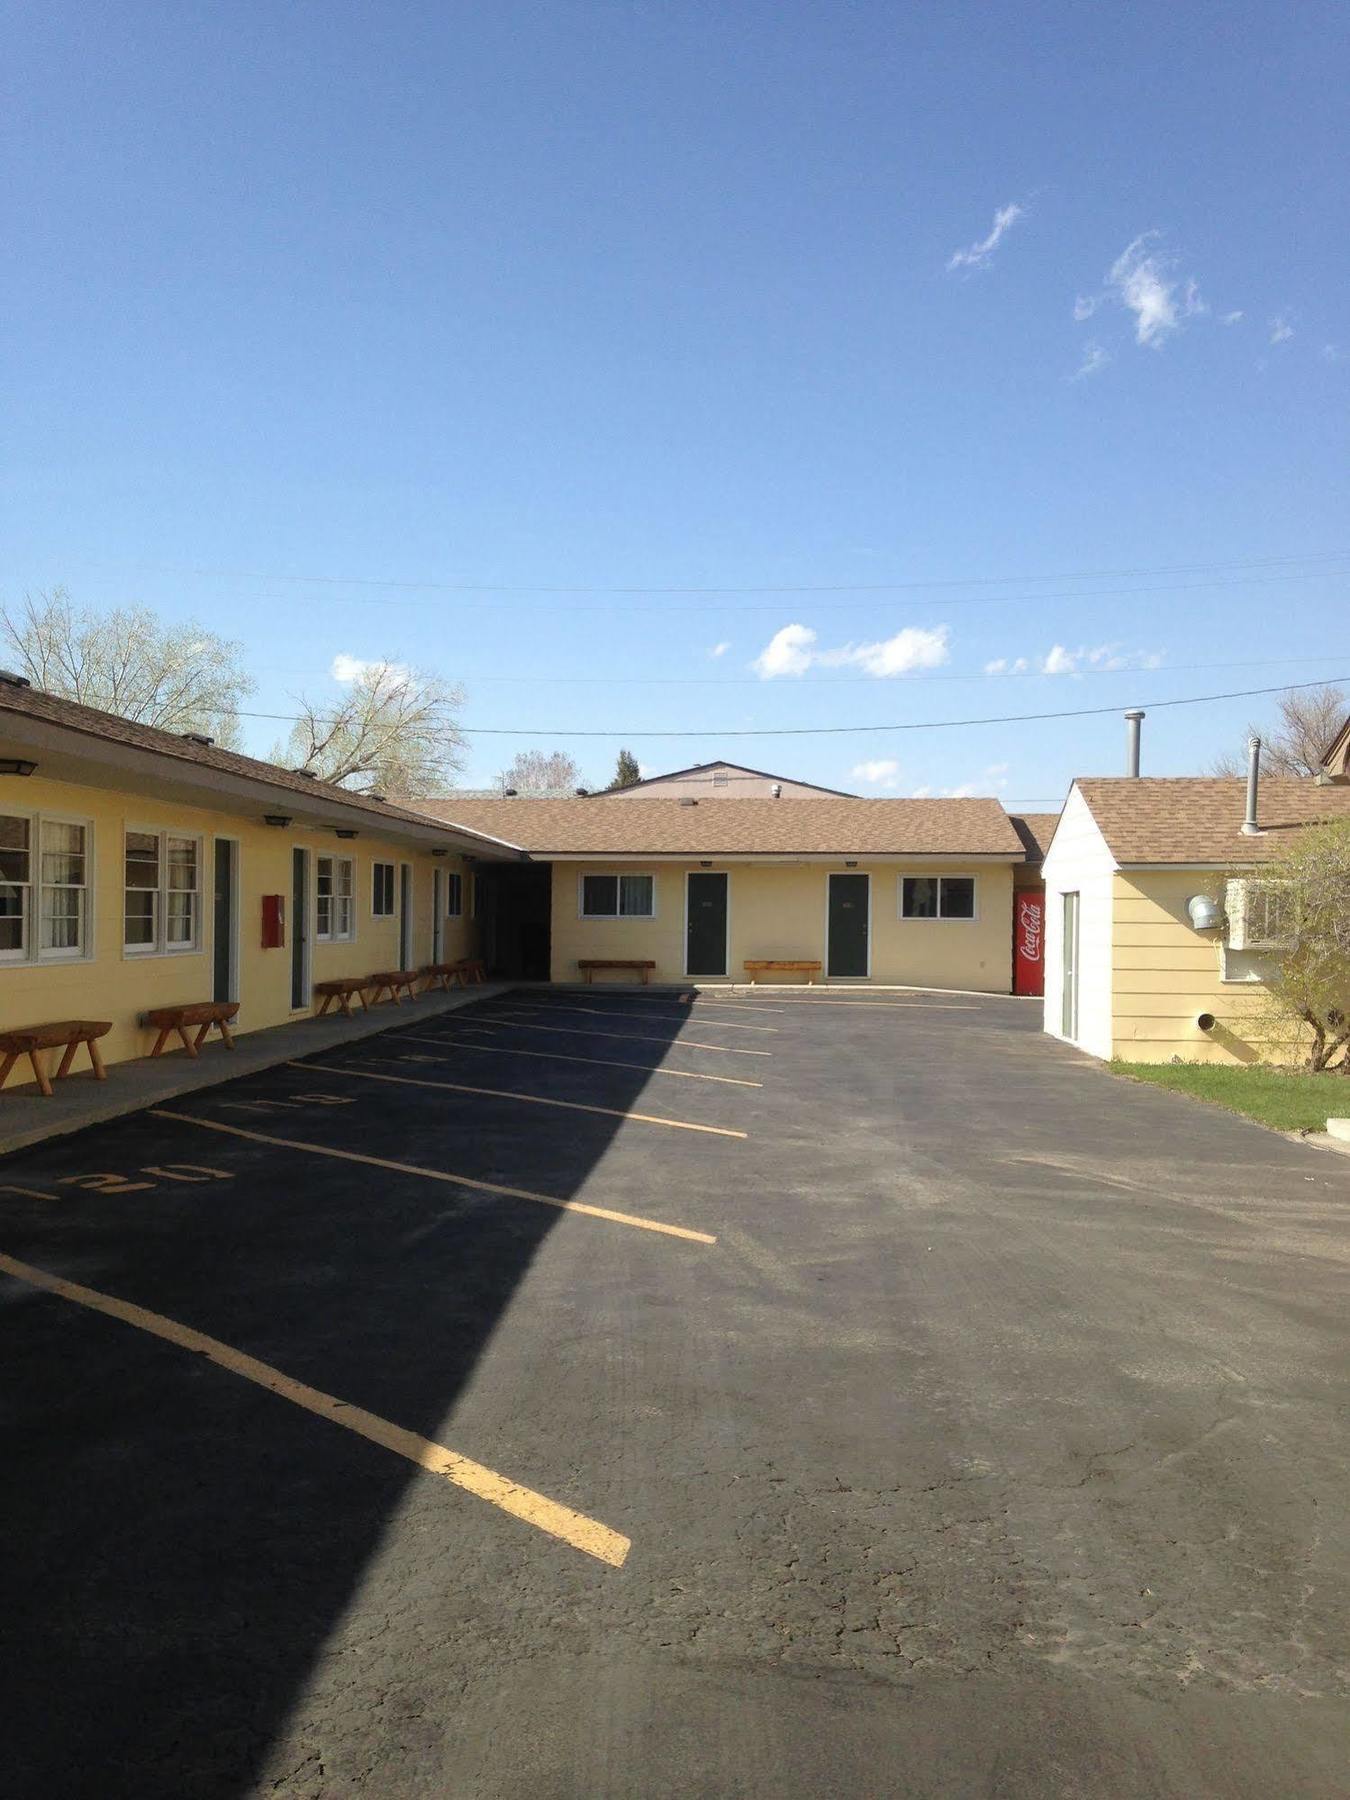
(626, 772)
(1305, 896)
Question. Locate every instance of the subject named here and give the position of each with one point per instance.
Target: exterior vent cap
(380, 797)
(12, 678)
(197, 737)
(510, 793)
(688, 802)
(308, 774)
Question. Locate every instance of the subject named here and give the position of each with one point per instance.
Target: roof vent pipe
(1133, 719)
(1250, 828)
(777, 790)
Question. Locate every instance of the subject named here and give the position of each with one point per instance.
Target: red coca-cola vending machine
(1029, 942)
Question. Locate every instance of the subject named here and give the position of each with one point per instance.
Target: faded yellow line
(614, 1012)
(460, 1087)
(626, 1037)
(598, 1062)
(558, 1521)
(887, 1005)
(469, 1181)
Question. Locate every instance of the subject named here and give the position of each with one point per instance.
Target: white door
(1069, 989)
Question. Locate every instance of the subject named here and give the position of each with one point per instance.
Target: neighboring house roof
(27, 714)
(1197, 820)
(824, 827)
(1035, 830)
(1336, 756)
(736, 771)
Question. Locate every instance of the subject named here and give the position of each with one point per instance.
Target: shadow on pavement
(180, 1543)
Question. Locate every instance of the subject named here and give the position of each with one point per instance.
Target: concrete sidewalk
(78, 1100)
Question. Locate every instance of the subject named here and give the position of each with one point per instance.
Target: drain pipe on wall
(1250, 828)
(1132, 722)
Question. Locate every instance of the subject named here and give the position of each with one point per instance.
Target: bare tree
(394, 731)
(1309, 720)
(129, 662)
(542, 771)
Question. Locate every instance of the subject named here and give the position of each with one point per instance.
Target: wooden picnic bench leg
(35, 1057)
(361, 995)
(327, 1002)
(203, 1034)
(11, 1057)
(226, 1033)
(67, 1058)
(161, 1040)
(188, 1044)
(96, 1060)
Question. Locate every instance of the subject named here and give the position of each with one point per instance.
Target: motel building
(142, 870)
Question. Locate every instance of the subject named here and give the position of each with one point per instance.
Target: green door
(850, 904)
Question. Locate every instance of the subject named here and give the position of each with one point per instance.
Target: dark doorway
(223, 950)
(850, 903)
(705, 924)
(299, 929)
(514, 903)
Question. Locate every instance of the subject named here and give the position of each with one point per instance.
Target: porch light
(705, 865)
(850, 865)
(16, 765)
(281, 819)
(440, 852)
(344, 831)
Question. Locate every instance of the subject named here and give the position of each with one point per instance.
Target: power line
(1080, 712)
(836, 587)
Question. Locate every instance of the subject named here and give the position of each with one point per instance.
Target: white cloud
(720, 649)
(1332, 353)
(356, 668)
(1280, 329)
(788, 652)
(1141, 280)
(884, 772)
(1005, 665)
(792, 651)
(1094, 359)
(979, 254)
(1231, 318)
(1060, 660)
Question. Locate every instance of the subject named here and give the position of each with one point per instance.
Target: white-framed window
(162, 884)
(618, 896)
(454, 894)
(382, 890)
(44, 888)
(937, 897)
(334, 899)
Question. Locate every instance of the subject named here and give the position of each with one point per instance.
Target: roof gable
(1185, 819)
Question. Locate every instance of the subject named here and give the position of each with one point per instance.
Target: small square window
(937, 897)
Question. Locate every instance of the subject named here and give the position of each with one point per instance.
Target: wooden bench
(341, 988)
(201, 1013)
(65, 1034)
(589, 964)
(394, 982)
(471, 969)
(779, 966)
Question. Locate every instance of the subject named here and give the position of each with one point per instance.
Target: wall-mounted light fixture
(282, 819)
(705, 865)
(344, 831)
(850, 865)
(440, 852)
(16, 765)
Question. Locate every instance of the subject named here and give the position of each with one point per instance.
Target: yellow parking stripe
(459, 1087)
(458, 1042)
(547, 1515)
(613, 1012)
(514, 1023)
(889, 1005)
(469, 1181)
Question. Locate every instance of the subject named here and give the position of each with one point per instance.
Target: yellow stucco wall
(112, 983)
(778, 910)
(1165, 973)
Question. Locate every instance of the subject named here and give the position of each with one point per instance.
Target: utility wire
(1080, 712)
(835, 587)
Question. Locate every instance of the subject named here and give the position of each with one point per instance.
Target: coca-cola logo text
(1029, 918)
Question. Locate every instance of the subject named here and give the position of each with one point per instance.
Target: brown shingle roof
(1198, 819)
(740, 827)
(1035, 831)
(108, 728)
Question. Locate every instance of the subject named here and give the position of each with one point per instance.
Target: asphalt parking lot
(609, 1394)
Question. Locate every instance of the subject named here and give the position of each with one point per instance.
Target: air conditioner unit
(1257, 915)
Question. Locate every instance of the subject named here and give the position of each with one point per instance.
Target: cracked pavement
(997, 1447)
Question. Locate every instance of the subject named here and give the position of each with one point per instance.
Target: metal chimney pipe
(1249, 825)
(1132, 722)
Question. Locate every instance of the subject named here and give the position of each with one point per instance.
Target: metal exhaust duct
(1133, 719)
(1250, 828)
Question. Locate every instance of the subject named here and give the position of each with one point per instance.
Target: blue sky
(896, 302)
